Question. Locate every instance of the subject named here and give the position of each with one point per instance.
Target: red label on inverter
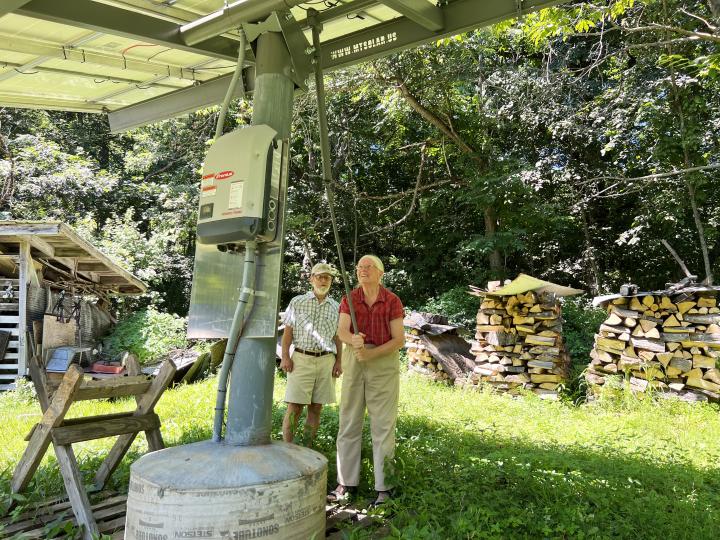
(223, 175)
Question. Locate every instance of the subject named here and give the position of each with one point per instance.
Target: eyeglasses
(365, 266)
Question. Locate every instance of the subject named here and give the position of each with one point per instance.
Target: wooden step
(13, 331)
(8, 366)
(48, 513)
(109, 516)
(109, 513)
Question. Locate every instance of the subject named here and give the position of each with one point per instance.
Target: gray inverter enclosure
(217, 275)
(239, 188)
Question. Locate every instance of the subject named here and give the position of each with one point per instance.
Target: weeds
(475, 464)
(149, 334)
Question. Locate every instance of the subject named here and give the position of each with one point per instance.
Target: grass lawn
(479, 465)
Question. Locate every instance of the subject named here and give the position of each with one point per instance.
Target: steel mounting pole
(251, 378)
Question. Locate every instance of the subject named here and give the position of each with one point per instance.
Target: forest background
(567, 144)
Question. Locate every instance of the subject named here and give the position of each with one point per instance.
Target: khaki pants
(311, 379)
(374, 384)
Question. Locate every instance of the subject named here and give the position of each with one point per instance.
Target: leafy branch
(423, 155)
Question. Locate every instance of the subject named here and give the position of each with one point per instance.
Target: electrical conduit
(237, 76)
(248, 283)
(246, 295)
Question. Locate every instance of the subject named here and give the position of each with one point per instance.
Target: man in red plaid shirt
(371, 378)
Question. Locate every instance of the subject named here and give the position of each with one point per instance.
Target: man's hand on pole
(361, 352)
(358, 341)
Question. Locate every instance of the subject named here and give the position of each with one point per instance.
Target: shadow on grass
(458, 484)
(472, 485)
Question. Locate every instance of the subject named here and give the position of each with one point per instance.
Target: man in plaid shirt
(311, 322)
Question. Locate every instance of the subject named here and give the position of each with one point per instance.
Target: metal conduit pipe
(230, 17)
(237, 76)
(246, 294)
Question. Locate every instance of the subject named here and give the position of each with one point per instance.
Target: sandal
(340, 494)
(382, 498)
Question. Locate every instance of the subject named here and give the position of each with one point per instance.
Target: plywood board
(57, 334)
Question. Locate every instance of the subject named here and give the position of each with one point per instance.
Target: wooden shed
(46, 264)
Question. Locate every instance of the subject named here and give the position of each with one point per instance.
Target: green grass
(480, 465)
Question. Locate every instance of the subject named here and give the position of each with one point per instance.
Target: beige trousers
(374, 384)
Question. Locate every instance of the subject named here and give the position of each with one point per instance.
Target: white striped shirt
(314, 324)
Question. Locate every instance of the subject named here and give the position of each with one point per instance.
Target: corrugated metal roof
(107, 55)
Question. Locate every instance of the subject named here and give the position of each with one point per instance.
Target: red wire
(126, 49)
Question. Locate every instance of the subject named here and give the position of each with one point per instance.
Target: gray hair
(376, 261)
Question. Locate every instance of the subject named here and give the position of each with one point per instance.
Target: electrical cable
(236, 78)
(156, 54)
(126, 49)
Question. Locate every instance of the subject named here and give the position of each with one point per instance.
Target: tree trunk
(490, 215)
(495, 257)
(592, 267)
(677, 104)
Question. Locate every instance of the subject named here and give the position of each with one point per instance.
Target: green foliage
(149, 334)
(134, 195)
(554, 124)
(475, 464)
(457, 305)
(24, 391)
(580, 323)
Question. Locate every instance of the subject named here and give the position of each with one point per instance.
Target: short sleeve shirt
(314, 324)
(374, 321)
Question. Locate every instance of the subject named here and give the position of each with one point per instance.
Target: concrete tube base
(218, 491)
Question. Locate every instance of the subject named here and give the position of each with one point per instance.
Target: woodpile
(666, 341)
(519, 341)
(434, 348)
(419, 358)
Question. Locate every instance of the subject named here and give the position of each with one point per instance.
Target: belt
(313, 353)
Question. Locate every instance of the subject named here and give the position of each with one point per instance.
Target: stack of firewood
(668, 341)
(420, 360)
(519, 343)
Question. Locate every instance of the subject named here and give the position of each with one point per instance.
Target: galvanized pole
(251, 379)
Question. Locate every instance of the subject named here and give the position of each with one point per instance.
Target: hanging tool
(325, 154)
(59, 308)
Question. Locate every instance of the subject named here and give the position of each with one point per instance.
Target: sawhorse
(62, 433)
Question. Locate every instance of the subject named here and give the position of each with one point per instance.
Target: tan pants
(311, 379)
(374, 384)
